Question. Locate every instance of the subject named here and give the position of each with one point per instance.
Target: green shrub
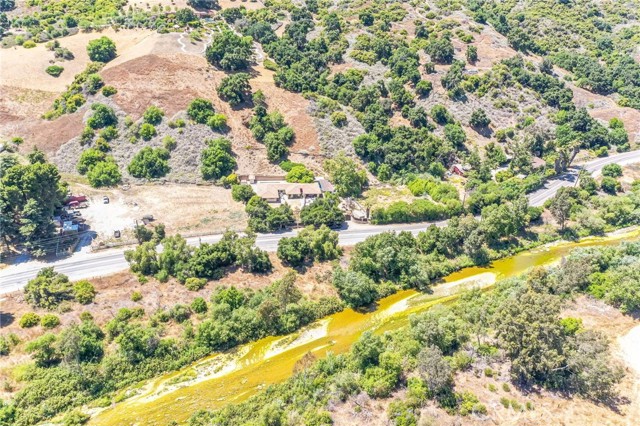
(612, 170)
(176, 124)
(242, 193)
(136, 296)
(149, 163)
(199, 305)
(423, 88)
(200, 110)
(169, 143)
(217, 121)
(109, 91)
(50, 321)
(153, 115)
(54, 70)
(84, 292)
(103, 116)
(75, 418)
(101, 50)
(217, 159)
(339, 118)
(195, 284)
(29, 320)
(147, 131)
(299, 174)
(104, 173)
(29, 44)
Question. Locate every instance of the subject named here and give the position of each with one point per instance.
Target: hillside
(240, 158)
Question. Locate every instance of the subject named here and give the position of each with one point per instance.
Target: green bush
(103, 116)
(200, 110)
(147, 131)
(610, 185)
(199, 305)
(136, 296)
(109, 91)
(54, 70)
(217, 159)
(217, 121)
(84, 292)
(153, 115)
(104, 173)
(101, 50)
(339, 118)
(169, 143)
(612, 170)
(235, 88)
(242, 193)
(149, 163)
(29, 320)
(50, 321)
(299, 174)
(195, 284)
(48, 289)
(29, 44)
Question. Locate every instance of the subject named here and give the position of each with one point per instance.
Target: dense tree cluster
(229, 51)
(217, 159)
(49, 289)
(208, 261)
(309, 245)
(29, 196)
(270, 129)
(264, 218)
(323, 211)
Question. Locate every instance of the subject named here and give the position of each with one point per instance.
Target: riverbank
(252, 371)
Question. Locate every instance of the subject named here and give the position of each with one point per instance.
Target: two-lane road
(107, 262)
(594, 167)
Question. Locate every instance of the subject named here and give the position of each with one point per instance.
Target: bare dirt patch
(295, 110)
(25, 68)
(181, 208)
(28, 91)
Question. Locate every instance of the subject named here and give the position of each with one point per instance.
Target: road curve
(107, 262)
(594, 167)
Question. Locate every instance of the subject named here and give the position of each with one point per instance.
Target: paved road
(107, 262)
(594, 167)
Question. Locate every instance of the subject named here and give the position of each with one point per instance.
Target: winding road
(107, 262)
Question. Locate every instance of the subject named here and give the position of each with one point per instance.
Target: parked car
(105, 200)
(116, 234)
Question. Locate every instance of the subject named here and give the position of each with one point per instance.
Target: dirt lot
(181, 208)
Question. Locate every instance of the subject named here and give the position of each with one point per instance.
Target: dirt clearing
(181, 208)
(25, 68)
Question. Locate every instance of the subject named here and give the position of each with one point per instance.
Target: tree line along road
(107, 262)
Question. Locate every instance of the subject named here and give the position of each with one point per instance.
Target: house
(325, 185)
(282, 191)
